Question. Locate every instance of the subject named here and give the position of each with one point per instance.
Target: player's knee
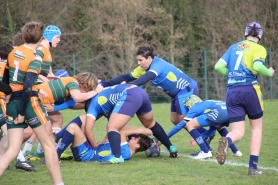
(72, 127)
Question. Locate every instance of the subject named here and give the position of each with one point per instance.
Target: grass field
(165, 170)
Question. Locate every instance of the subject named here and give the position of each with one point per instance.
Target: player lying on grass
(83, 151)
(210, 113)
(80, 87)
(122, 102)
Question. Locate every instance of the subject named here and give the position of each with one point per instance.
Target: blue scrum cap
(50, 32)
(61, 73)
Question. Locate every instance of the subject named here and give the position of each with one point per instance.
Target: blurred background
(102, 36)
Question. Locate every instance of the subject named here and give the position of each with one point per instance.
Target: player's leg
(192, 127)
(145, 115)
(223, 132)
(15, 136)
(35, 117)
(72, 135)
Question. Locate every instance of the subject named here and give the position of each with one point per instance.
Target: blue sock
(202, 130)
(115, 143)
(223, 132)
(76, 120)
(160, 134)
(253, 161)
(198, 138)
(67, 139)
(229, 141)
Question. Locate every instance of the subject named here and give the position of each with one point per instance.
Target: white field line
(227, 162)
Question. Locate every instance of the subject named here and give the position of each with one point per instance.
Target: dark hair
(18, 39)
(144, 142)
(32, 32)
(5, 49)
(87, 103)
(145, 51)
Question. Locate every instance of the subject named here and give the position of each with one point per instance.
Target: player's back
(240, 59)
(21, 60)
(57, 89)
(46, 57)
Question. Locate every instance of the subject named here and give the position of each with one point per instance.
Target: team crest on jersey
(33, 121)
(243, 46)
(19, 54)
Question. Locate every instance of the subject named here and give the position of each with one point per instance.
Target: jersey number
(240, 55)
(16, 63)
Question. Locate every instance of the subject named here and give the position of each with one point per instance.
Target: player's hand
(19, 119)
(99, 88)
(147, 131)
(271, 70)
(43, 93)
(49, 108)
(192, 143)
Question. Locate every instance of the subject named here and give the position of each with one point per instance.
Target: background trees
(102, 36)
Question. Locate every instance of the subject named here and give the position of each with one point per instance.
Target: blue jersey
(212, 110)
(103, 152)
(239, 59)
(105, 101)
(168, 77)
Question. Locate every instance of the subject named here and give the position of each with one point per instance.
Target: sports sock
(67, 139)
(115, 143)
(20, 156)
(253, 161)
(76, 120)
(229, 141)
(223, 132)
(28, 146)
(200, 141)
(160, 134)
(202, 130)
(39, 148)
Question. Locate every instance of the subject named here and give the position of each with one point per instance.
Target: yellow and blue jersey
(168, 77)
(106, 100)
(239, 59)
(212, 110)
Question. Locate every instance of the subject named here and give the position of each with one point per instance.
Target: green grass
(164, 170)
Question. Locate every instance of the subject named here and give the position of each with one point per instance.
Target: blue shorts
(177, 103)
(83, 152)
(244, 100)
(204, 121)
(134, 100)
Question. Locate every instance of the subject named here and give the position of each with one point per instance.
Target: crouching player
(210, 113)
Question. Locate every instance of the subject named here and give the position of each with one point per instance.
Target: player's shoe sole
(222, 150)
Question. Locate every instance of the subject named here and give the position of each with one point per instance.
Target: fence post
(206, 74)
(270, 65)
(73, 64)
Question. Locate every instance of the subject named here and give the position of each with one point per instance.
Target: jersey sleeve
(137, 72)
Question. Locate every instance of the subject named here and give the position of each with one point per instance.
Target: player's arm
(79, 97)
(27, 91)
(221, 67)
(144, 78)
(261, 68)
(90, 122)
(129, 130)
(177, 128)
(5, 88)
(117, 80)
